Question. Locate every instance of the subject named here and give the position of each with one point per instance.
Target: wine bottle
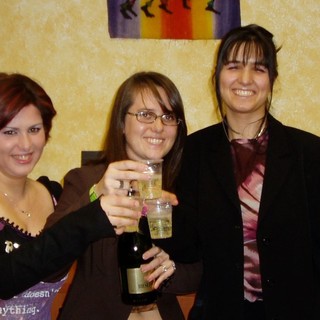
(131, 246)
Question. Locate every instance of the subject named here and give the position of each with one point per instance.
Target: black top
(55, 248)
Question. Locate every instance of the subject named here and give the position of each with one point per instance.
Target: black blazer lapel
(221, 164)
(278, 165)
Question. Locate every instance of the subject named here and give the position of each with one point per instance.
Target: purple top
(249, 156)
(34, 303)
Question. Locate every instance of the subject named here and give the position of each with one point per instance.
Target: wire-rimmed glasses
(147, 116)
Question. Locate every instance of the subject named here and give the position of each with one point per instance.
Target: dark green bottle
(131, 246)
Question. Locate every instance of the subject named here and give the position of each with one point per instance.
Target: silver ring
(165, 269)
(121, 184)
(173, 266)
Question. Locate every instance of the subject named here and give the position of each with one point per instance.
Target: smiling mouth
(243, 93)
(22, 157)
(155, 141)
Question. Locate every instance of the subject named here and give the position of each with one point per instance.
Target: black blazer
(208, 222)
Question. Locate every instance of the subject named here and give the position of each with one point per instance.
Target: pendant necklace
(25, 212)
(259, 133)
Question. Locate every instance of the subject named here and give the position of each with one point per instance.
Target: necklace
(25, 212)
(259, 133)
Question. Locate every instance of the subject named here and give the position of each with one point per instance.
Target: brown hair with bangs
(252, 40)
(115, 142)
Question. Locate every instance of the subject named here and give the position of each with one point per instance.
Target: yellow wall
(65, 45)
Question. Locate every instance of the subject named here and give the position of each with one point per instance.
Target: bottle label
(137, 283)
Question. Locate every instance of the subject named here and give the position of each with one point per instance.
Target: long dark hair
(250, 39)
(115, 142)
(16, 92)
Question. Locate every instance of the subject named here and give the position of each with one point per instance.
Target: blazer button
(270, 282)
(266, 241)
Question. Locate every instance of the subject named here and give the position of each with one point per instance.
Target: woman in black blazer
(248, 196)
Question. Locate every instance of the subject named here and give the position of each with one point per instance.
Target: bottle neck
(143, 226)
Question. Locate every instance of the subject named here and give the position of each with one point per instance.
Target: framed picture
(172, 19)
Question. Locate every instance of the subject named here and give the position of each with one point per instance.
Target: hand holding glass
(152, 188)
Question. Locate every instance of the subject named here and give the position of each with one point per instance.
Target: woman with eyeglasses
(147, 122)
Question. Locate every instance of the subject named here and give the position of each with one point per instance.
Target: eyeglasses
(145, 116)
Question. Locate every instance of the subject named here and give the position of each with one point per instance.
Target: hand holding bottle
(118, 176)
(122, 211)
(137, 287)
(161, 266)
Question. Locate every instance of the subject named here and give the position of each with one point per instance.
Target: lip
(154, 141)
(23, 158)
(243, 93)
